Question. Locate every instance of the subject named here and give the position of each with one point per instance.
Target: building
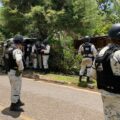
(98, 41)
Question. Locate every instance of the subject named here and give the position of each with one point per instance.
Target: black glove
(18, 73)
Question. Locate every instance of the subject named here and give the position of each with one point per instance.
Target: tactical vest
(105, 78)
(38, 49)
(11, 61)
(87, 49)
(28, 49)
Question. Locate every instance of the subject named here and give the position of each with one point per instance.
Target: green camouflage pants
(111, 105)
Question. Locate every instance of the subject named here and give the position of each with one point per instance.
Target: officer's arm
(93, 71)
(94, 51)
(47, 50)
(18, 58)
(80, 50)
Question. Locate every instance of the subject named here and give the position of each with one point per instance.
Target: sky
(0, 4)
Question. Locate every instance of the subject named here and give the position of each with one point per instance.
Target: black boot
(88, 79)
(46, 71)
(20, 103)
(80, 78)
(15, 107)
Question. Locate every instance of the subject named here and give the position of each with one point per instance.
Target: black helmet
(18, 39)
(86, 39)
(114, 32)
(45, 41)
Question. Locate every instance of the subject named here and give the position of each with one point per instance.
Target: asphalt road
(47, 101)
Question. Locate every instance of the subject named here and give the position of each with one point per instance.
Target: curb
(37, 77)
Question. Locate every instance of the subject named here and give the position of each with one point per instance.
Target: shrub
(63, 56)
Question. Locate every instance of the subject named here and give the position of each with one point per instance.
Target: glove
(42, 52)
(18, 73)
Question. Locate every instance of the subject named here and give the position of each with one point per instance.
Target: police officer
(45, 55)
(27, 55)
(106, 69)
(15, 72)
(88, 52)
(37, 57)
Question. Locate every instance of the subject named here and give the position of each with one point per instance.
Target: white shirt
(47, 49)
(33, 48)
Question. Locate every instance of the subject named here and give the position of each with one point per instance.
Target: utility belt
(27, 53)
(46, 53)
(88, 67)
(16, 72)
(14, 68)
(92, 57)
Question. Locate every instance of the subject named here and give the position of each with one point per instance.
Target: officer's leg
(45, 63)
(27, 61)
(89, 65)
(40, 61)
(80, 78)
(90, 82)
(20, 103)
(88, 79)
(15, 91)
(35, 62)
(111, 105)
(88, 71)
(82, 70)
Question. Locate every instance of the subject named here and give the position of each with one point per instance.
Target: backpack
(87, 49)
(105, 77)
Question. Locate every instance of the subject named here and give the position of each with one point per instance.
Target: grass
(69, 79)
(63, 78)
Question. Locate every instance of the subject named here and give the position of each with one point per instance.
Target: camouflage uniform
(111, 101)
(111, 105)
(106, 68)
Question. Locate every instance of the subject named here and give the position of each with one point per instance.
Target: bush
(63, 57)
(1, 37)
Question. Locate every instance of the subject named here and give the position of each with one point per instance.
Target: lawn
(68, 79)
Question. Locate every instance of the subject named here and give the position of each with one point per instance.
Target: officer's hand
(42, 52)
(18, 73)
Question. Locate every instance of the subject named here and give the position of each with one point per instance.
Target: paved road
(46, 101)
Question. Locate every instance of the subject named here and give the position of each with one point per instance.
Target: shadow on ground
(13, 114)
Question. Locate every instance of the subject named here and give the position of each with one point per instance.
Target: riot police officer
(106, 69)
(37, 57)
(45, 51)
(88, 52)
(34, 56)
(27, 54)
(15, 72)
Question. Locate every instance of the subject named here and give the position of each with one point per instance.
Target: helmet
(45, 41)
(86, 39)
(18, 39)
(114, 32)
